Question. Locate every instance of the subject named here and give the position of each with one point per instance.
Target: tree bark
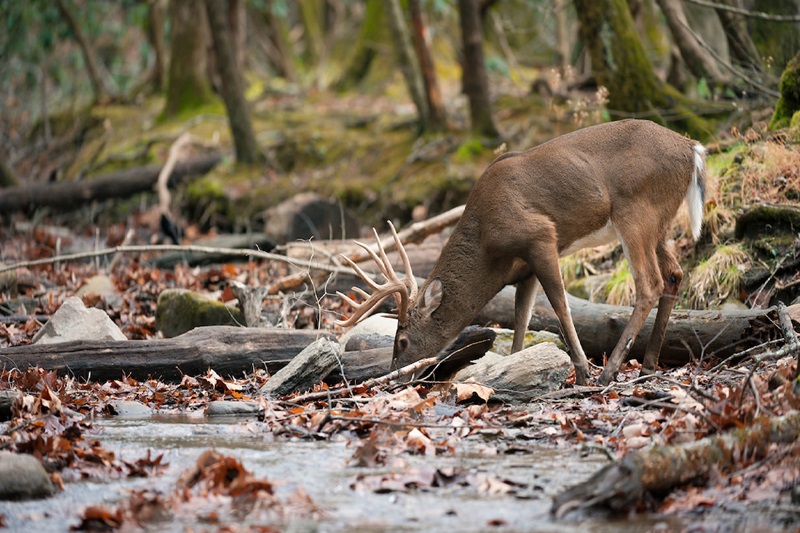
(620, 63)
(365, 48)
(102, 94)
(660, 468)
(436, 119)
(247, 149)
(155, 35)
(188, 87)
(742, 48)
(698, 60)
(475, 80)
(121, 184)
(229, 350)
(563, 45)
(407, 60)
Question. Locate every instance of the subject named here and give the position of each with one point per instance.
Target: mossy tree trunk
(742, 48)
(406, 59)
(789, 101)
(188, 86)
(102, 93)
(155, 35)
(619, 63)
(474, 78)
(436, 120)
(247, 149)
(365, 48)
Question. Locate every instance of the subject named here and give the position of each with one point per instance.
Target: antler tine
(404, 290)
(408, 279)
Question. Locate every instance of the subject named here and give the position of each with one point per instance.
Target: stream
(322, 470)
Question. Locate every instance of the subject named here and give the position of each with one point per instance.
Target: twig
(746, 12)
(257, 254)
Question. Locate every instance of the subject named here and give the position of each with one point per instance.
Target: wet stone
(23, 477)
(227, 407)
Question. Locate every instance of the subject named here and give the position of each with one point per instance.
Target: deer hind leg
(672, 275)
(524, 300)
(543, 260)
(644, 264)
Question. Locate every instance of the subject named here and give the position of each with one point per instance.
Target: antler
(404, 289)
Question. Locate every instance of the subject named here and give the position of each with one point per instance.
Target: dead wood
(690, 334)
(73, 194)
(227, 349)
(660, 468)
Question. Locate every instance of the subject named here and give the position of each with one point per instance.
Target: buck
(623, 180)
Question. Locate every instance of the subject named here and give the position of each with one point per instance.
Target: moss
(468, 150)
(789, 101)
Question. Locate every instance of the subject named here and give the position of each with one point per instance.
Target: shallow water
(322, 470)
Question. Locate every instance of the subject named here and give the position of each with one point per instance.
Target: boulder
(74, 321)
(309, 216)
(129, 409)
(307, 368)
(181, 310)
(230, 407)
(22, 477)
(505, 337)
(376, 331)
(522, 376)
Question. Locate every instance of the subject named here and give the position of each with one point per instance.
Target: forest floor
(393, 447)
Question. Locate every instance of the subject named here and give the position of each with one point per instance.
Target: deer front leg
(524, 300)
(544, 262)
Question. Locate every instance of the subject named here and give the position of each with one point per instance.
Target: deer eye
(403, 343)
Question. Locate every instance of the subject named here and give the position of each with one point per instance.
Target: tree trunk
(281, 57)
(313, 36)
(188, 86)
(237, 17)
(101, 92)
(365, 47)
(563, 45)
(698, 60)
(155, 35)
(121, 184)
(789, 101)
(621, 65)
(475, 80)
(436, 120)
(742, 48)
(247, 149)
(405, 57)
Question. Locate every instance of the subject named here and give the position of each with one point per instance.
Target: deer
(621, 181)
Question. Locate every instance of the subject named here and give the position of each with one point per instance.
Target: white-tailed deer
(623, 180)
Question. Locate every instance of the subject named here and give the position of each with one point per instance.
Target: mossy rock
(769, 220)
(181, 310)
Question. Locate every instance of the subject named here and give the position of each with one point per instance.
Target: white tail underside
(694, 196)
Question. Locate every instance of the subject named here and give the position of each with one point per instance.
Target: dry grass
(719, 277)
(620, 289)
(769, 172)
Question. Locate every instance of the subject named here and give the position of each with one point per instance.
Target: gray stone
(521, 376)
(129, 409)
(103, 287)
(371, 327)
(229, 407)
(309, 215)
(74, 321)
(181, 310)
(307, 368)
(505, 338)
(22, 477)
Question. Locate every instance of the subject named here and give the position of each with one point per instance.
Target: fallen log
(229, 350)
(690, 334)
(662, 467)
(121, 184)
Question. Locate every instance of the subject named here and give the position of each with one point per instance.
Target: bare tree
(436, 119)
(406, 59)
(475, 80)
(247, 149)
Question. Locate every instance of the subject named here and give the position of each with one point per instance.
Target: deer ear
(431, 298)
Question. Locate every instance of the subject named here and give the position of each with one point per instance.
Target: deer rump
(623, 180)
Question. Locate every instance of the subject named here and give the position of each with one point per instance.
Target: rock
(22, 477)
(181, 310)
(101, 286)
(310, 366)
(505, 337)
(7, 399)
(373, 327)
(229, 407)
(129, 409)
(522, 376)
(74, 321)
(308, 215)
